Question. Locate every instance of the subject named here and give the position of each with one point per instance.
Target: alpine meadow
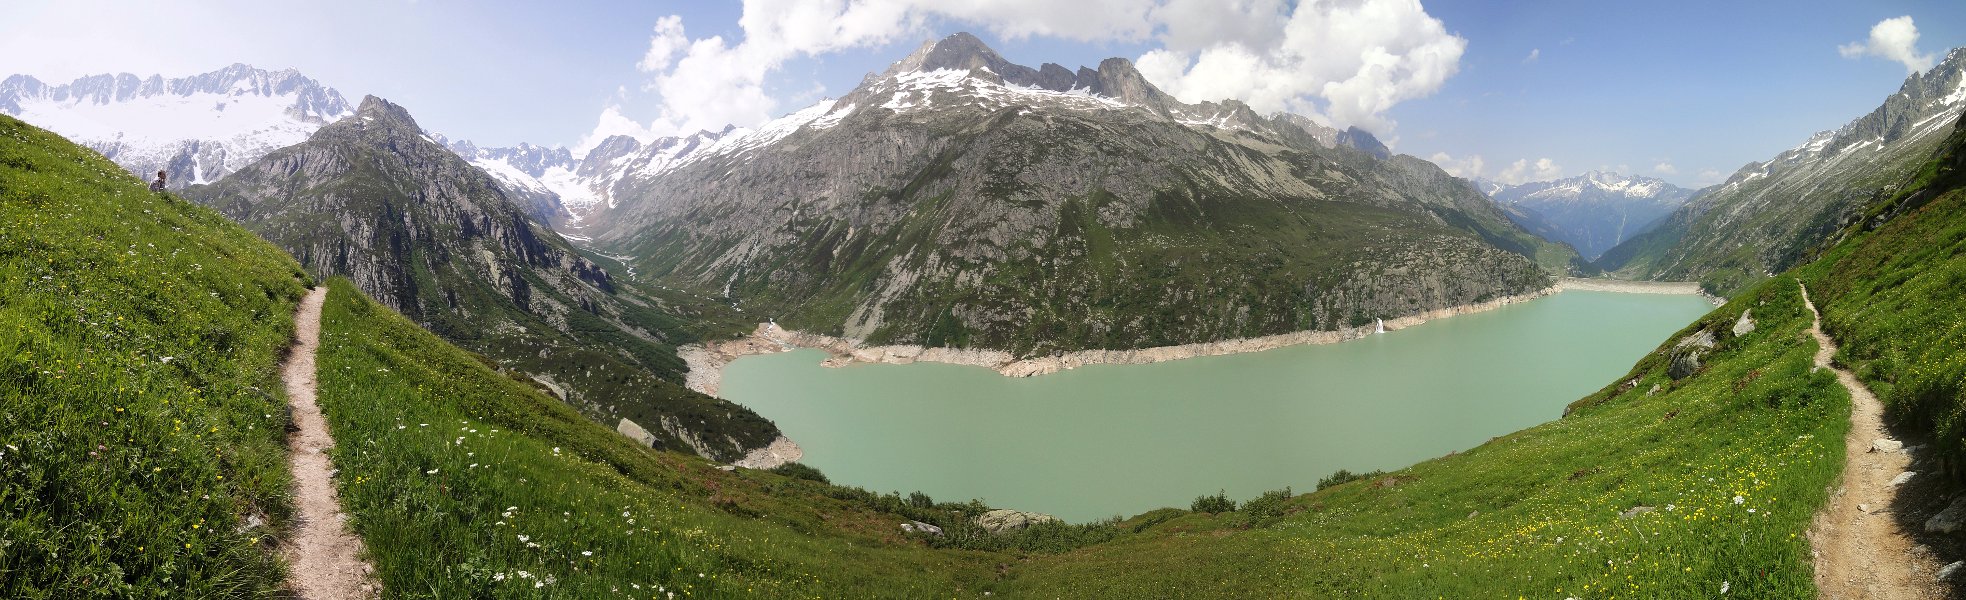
(1135, 299)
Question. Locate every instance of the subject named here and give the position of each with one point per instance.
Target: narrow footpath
(326, 559)
(1861, 550)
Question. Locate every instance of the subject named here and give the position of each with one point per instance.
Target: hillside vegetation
(375, 199)
(142, 433)
(1894, 296)
(467, 483)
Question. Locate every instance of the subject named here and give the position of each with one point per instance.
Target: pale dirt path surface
(1859, 553)
(325, 557)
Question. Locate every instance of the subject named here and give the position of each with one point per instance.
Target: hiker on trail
(158, 185)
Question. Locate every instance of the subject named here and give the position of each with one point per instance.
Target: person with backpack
(158, 185)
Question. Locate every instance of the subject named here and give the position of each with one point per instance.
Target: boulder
(1745, 325)
(1003, 519)
(1886, 445)
(920, 527)
(1635, 511)
(1949, 520)
(1946, 572)
(1902, 478)
(634, 431)
(1686, 354)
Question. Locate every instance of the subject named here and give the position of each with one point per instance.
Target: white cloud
(1522, 171)
(1467, 167)
(1535, 54)
(1708, 177)
(1665, 168)
(612, 123)
(667, 42)
(1349, 61)
(1893, 39)
(1346, 62)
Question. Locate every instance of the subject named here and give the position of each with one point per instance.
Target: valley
(1191, 320)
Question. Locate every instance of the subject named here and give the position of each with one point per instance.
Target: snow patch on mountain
(197, 128)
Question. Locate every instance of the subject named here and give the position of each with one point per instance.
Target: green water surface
(1111, 440)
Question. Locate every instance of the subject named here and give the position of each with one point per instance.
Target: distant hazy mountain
(1591, 212)
(1769, 215)
(197, 128)
(376, 199)
(958, 199)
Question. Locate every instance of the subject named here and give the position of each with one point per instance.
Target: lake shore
(707, 361)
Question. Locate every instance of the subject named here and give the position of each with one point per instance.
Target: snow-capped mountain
(1592, 212)
(955, 74)
(1771, 215)
(196, 128)
(958, 199)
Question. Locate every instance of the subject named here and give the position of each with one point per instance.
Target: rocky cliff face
(375, 199)
(960, 200)
(1769, 215)
(1591, 212)
(198, 128)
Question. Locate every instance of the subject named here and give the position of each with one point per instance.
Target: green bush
(1216, 504)
(1265, 509)
(1344, 476)
(800, 471)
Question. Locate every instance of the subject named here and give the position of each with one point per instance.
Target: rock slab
(1003, 520)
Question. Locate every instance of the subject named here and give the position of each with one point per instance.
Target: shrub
(1344, 476)
(800, 471)
(1265, 509)
(1218, 503)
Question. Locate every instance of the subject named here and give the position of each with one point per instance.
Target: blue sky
(1703, 87)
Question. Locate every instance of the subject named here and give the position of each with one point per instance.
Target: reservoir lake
(1119, 440)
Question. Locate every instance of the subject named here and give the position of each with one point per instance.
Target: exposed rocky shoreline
(706, 361)
(1638, 287)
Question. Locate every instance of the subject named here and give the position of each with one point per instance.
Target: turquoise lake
(1118, 440)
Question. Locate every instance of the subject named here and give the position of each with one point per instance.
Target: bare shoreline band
(706, 361)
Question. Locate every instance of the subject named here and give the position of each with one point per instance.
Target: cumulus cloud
(1341, 61)
(1523, 171)
(1892, 39)
(612, 123)
(667, 42)
(1468, 166)
(1347, 61)
(1665, 168)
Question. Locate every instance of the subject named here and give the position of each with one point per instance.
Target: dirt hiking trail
(326, 559)
(1861, 549)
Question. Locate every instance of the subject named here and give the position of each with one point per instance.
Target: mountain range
(1591, 212)
(376, 199)
(957, 199)
(198, 129)
(1770, 215)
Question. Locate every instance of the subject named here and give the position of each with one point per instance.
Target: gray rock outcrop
(1686, 354)
(1949, 520)
(1745, 325)
(1003, 520)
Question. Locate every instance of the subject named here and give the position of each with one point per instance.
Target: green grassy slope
(465, 483)
(374, 199)
(140, 417)
(1894, 296)
(445, 463)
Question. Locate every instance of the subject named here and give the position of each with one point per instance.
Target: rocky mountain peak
(1115, 78)
(376, 110)
(1364, 141)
